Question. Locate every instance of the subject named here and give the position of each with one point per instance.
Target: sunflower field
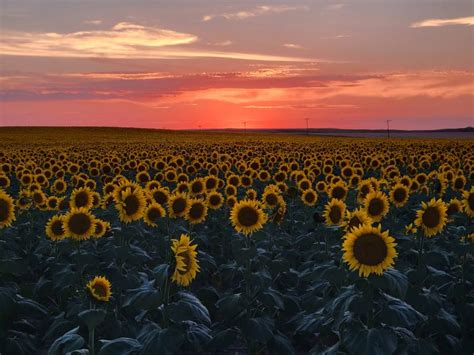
(149, 242)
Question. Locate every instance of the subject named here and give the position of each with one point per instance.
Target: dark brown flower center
(354, 222)
(271, 199)
(453, 208)
(370, 249)
(57, 227)
(400, 195)
(335, 214)
(431, 217)
(458, 183)
(154, 214)
(79, 223)
(132, 204)
(376, 207)
(160, 197)
(179, 205)
(98, 228)
(81, 199)
(4, 210)
(38, 198)
(338, 192)
(196, 187)
(100, 289)
(470, 201)
(247, 216)
(186, 261)
(309, 197)
(196, 211)
(214, 200)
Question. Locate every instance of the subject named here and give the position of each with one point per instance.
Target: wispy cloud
(222, 44)
(292, 45)
(335, 37)
(466, 21)
(92, 22)
(257, 11)
(124, 40)
(336, 6)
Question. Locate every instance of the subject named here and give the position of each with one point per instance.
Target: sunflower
(280, 211)
(334, 212)
(153, 213)
(369, 250)
(431, 217)
(269, 198)
(38, 197)
(100, 288)
(161, 195)
(454, 206)
(356, 218)
(309, 197)
(55, 228)
(197, 211)
(215, 200)
(24, 201)
(7, 210)
(131, 205)
(82, 197)
(338, 190)
(178, 205)
(376, 205)
(196, 187)
(53, 203)
(59, 186)
(247, 216)
(468, 202)
(79, 223)
(187, 264)
(399, 195)
(251, 194)
(100, 228)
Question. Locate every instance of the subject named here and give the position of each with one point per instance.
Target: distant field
(59, 135)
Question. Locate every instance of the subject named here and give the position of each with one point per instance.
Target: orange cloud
(258, 11)
(467, 21)
(124, 40)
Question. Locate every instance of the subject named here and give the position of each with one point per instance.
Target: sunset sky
(216, 64)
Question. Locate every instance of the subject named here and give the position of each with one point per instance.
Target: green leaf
(145, 297)
(120, 346)
(92, 317)
(396, 312)
(189, 307)
(370, 341)
(272, 299)
(222, 340)
(68, 342)
(392, 281)
(281, 344)
(230, 305)
(260, 329)
(163, 341)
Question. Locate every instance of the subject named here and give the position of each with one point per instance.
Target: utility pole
(245, 126)
(307, 125)
(200, 127)
(388, 128)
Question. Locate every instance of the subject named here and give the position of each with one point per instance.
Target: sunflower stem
(91, 340)
(421, 238)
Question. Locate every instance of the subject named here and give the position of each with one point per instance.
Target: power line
(307, 125)
(388, 128)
